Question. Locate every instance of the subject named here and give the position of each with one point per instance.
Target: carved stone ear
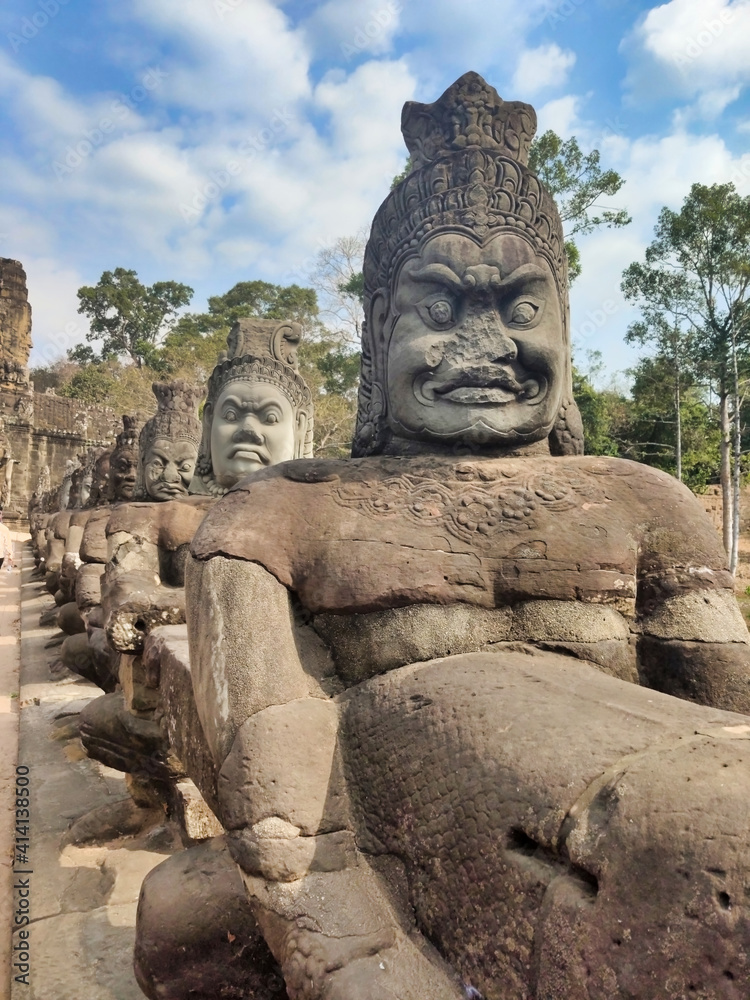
(204, 466)
(566, 437)
(371, 431)
(302, 437)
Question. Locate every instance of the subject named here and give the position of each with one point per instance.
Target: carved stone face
(100, 480)
(123, 464)
(76, 487)
(477, 352)
(168, 467)
(252, 426)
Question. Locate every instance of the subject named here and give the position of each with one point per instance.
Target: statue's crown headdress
(176, 417)
(469, 152)
(128, 436)
(262, 350)
(470, 114)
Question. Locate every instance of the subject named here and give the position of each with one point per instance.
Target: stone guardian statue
(472, 695)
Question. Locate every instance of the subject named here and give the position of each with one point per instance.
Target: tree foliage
(697, 272)
(577, 182)
(129, 318)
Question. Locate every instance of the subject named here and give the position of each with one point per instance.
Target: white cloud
(561, 115)
(694, 49)
(450, 37)
(231, 55)
(541, 68)
(347, 30)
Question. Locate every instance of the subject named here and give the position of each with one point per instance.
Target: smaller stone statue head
(99, 488)
(258, 410)
(64, 490)
(169, 442)
(123, 462)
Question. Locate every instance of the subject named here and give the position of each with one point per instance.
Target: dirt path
(10, 658)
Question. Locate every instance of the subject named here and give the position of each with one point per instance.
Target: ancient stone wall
(15, 317)
(37, 429)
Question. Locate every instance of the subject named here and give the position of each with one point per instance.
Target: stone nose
(249, 429)
(487, 338)
(171, 473)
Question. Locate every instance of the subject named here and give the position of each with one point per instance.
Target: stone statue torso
(370, 547)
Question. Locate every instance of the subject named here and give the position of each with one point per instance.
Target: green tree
(331, 370)
(128, 317)
(697, 271)
(657, 437)
(603, 411)
(674, 344)
(577, 182)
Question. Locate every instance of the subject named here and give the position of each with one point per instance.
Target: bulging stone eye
(441, 312)
(524, 313)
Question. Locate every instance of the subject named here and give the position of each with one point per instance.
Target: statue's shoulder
(168, 523)
(133, 519)
(280, 507)
(661, 492)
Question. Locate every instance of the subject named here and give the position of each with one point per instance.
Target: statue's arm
(695, 645)
(262, 686)
(134, 599)
(693, 641)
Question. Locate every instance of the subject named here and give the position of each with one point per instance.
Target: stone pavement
(10, 631)
(83, 893)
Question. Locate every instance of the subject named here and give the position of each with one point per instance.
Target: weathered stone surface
(168, 443)
(389, 639)
(139, 698)
(197, 935)
(281, 859)
(610, 872)
(110, 821)
(257, 375)
(40, 433)
(218, 634)
(94, 542)
(119, 739)
(284, 764)
(698, 616)
(88, 586)
(679, 668)
(166, 660)
(196, 820)
(69, 619)
(78, 656)
(15, 317)
(573, 529)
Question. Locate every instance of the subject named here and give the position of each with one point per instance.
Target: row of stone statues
(465, 715)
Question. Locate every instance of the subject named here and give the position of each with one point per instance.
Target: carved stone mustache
(483, 377)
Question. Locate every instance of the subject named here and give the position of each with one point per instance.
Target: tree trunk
(737, 457)
(678, 423)
(725, 470)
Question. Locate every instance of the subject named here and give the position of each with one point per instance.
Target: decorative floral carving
(472, 507)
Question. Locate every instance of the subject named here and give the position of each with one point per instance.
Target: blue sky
(213, 141)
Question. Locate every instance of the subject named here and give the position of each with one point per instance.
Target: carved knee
(282, 793)
(285, 763)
